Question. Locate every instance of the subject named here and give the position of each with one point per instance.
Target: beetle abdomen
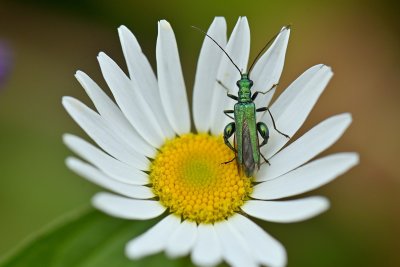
(247, 149)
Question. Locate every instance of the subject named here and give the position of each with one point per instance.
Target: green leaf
(87, 239)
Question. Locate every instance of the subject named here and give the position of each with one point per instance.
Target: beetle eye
(251, 83)
(238, 84)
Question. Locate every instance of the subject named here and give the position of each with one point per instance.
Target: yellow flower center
(189, 178)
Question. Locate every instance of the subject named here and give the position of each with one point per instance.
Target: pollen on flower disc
(189, 178)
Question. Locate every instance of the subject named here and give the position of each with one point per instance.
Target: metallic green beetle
(245, 128)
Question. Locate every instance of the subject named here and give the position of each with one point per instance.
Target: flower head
(153, 163)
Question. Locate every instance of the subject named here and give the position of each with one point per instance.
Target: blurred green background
(359, 39)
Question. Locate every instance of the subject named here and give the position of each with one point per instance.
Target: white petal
(131, 102)
(266, 249)
(109, 165)
(182, 240)
(307, 177)
(268, 69)
(207, 249)
(238, 49)
(95, 176)
(234, 249)
(170, 80)
(306, 147)
(140, 70)
(113, 116)
(154, 240)
(206, 74)
(127, 208)
(286, 211)
(293, 106)
(93, 124)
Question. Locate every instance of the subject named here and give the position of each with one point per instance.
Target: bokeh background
(45, 42)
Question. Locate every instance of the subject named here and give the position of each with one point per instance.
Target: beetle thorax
(244, 93)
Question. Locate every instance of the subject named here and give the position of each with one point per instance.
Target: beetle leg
(254, 96)
(262, 129)
(265, 159)
(264, 132)
(228, 132)
(261, 109)
(229, 161)
(227, 91)
(273, 122)
(229, 111)
(232, 96)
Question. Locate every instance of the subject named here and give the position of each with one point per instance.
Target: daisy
(147, 155)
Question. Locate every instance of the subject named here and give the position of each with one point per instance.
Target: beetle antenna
(262, 50)
(200, 30)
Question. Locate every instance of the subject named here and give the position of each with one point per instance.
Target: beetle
(245, 128)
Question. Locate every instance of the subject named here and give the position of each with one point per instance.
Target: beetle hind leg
(228, 132)
(229, 161)
(267, 161)
(264, 132)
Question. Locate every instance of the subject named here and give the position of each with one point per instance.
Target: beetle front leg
(254, 96)
(227, 91)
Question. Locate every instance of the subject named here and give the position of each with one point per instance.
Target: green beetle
(245, 128)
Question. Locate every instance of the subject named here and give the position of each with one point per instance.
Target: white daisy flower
(156, 167)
